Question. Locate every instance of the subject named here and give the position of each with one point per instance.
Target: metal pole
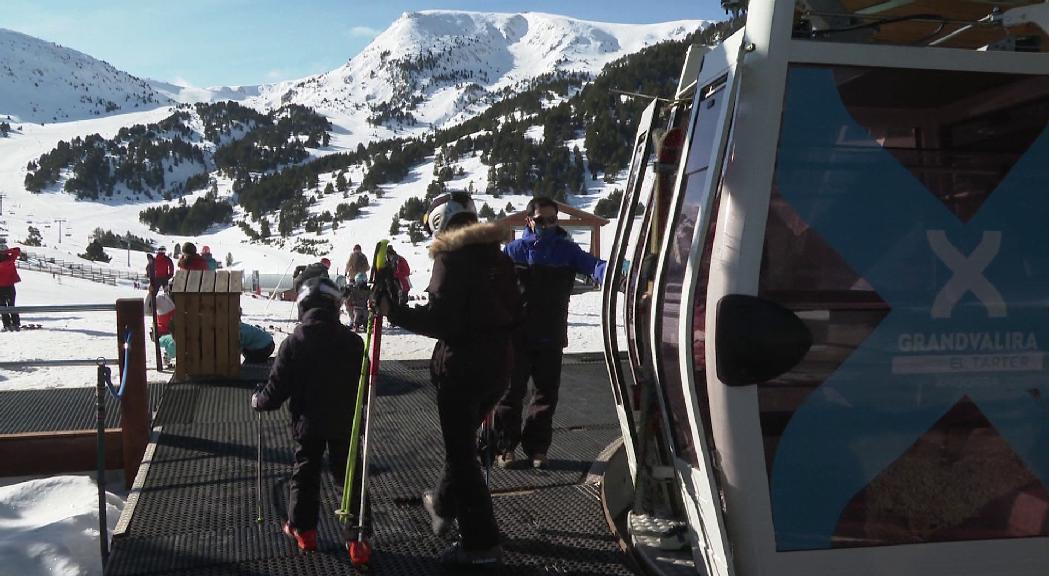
(156, 327)
(100, 400)
(127, 242)
(258, 474)
(60, 221)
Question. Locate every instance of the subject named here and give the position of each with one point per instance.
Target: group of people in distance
(499, 315)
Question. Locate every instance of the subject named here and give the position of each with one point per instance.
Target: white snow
(49, 526)
(44, 82)
(469, 58)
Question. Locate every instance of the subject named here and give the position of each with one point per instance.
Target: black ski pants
(461, 492)
(7, 298)
(304, 488)
(543, 366)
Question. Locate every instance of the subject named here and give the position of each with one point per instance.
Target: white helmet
(445, 207)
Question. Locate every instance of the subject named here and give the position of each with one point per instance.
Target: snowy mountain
(435, 68)
(192, 95)
(43, 82)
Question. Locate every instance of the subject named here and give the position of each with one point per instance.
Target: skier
(357, 295)
(163, 269)
(546, 261)
(151, 274)
(205, 253)
(315, 270)
(472, 308)
(256, 345)
(317, 368)
(357, 262)
(8, 279)
(190, 260)
(403, 273)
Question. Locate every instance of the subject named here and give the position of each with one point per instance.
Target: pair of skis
(354, 526)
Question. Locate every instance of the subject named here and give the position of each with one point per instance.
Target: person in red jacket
(163, 269)
(402, 274)
(190, 260)
(8, 279)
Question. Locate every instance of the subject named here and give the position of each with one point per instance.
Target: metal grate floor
(196, 513)
(59, 409)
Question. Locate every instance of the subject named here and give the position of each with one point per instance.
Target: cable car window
(694, 195)
(907, 228)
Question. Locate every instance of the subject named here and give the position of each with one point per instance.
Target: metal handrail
(59, 308)
(52, 363)
(55, 308)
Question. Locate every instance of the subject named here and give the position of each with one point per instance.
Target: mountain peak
(433, 68)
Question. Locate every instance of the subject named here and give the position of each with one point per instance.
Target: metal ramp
(195, 510)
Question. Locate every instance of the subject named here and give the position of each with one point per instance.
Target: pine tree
(395, 226)
(264, 230)
(229, 259)
(95, 252)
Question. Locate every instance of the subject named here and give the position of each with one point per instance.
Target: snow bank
(49, 526)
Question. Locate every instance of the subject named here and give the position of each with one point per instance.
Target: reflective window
(694, 196)
(908, 229)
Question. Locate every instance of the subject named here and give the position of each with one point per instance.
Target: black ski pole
(100, 402)
(258, 472)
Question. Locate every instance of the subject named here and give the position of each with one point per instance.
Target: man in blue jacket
(546, 260)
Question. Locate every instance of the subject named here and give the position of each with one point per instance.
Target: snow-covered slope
(441, 67)
(192, 95)
(43, 82)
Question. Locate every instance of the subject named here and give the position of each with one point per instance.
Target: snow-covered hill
(43, 82)
(435, 68)
(192, 95)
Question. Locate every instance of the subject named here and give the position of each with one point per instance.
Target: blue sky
(237, 42)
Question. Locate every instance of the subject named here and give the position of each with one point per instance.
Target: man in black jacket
(318, 367)
(473, 306)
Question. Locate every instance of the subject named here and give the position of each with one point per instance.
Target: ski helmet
(445, 207)
(318, 292)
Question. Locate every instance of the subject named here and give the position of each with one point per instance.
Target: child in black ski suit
(318, 368)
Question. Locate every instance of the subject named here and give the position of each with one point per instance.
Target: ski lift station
(837, 351)
(825, 339)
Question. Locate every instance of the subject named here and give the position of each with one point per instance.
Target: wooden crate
(207, 323)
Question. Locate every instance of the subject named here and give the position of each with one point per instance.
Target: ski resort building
(836, 365)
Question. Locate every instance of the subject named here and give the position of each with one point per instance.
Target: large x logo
(968, 274)
(879, 217)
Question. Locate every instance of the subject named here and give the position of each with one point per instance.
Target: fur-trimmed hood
(479, 233)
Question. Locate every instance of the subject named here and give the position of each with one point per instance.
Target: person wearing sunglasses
(546, 261)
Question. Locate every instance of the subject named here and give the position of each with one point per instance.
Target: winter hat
(189, 249)
(360, 278)
(161, 250)
(326, 262)
(205, 250)
(356, 246)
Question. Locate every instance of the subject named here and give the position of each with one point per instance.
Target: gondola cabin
(836, 304)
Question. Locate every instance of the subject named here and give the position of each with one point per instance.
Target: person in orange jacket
(8, 279)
